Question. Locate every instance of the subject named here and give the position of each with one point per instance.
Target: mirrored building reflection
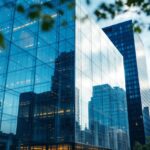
(48, 117)
(99, 63)
(51, 83)
(108, 116)
(137, 84)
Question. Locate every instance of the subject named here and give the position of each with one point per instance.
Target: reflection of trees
(43, 117)
(139, 146)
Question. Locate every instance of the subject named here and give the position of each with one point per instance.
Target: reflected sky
(98, 62)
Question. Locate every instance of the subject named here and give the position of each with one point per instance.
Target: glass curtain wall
(62, 86)
(101, 108)
(37, 75)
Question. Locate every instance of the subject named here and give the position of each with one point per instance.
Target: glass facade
(101, 116)
(63, 89)
(137, 88)
(37, 77)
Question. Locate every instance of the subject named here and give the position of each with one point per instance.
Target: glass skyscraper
(112, 103)
(137, 85)
(63, 89)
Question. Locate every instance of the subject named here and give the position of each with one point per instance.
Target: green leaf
(108, 9)
(145, 5)
(71, 5)
(34, 14)
(34, 11)
(134, 2)
(2, 43)
(130, 2)
(47, 23)
(146, 8)
(137, 29)
(100, 15)
(45, 26)
(111, 10)
(119, 3)
(118, 6)
(20, 8)
(103, 6)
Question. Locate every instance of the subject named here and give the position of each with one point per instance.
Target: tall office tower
(47, 78)
(137, 88)
(108, 107)
(48, 117)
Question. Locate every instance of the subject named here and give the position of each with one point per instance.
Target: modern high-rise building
(108, 114)
(47, 80)
(137, 85)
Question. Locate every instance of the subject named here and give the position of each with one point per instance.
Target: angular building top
(137, 85)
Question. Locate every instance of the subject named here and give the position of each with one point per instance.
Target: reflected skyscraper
(137, 85)
(108, 115)
(47, 80)
(43, 117)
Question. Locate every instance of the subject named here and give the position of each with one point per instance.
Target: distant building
(108, 114)
(137, 85)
